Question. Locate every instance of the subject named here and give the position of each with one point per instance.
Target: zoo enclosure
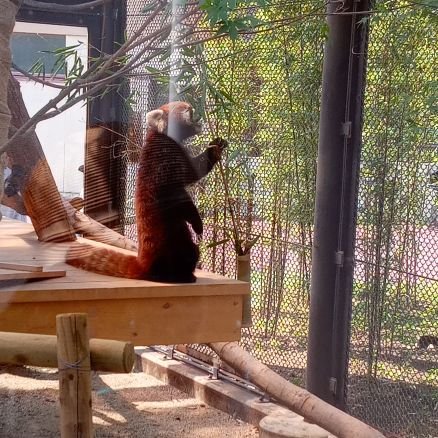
(274, 81)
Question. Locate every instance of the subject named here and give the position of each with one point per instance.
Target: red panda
(166, 252)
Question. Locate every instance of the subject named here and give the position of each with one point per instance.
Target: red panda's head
(175, 119)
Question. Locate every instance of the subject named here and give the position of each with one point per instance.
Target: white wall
(62, 137)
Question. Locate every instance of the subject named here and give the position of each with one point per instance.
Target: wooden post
(244, 274)
(74, 375)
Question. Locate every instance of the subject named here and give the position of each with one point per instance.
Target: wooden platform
(142, 312)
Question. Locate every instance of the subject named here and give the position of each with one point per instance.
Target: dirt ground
(124, 405)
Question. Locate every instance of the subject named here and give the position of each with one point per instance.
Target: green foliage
(222, 13)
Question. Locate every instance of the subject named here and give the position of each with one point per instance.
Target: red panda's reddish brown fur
(166, 251)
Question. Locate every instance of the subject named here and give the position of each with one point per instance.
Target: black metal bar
(336, 198)
(104, 168)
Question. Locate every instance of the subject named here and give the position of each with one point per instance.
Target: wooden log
(293, 397)
(39, 191)
(74, 375)
(41, 351)
(15, 202)
(94, 230)
(283, 426)
(7, 20)
(81, 223)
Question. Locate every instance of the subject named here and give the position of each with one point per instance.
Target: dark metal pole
(336, 195)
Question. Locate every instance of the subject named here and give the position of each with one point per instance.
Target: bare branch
(36, 78)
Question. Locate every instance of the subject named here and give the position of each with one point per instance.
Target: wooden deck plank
(139, 311)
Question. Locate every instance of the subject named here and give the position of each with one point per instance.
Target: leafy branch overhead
(171, 36)
(166, 28)
(222, 13)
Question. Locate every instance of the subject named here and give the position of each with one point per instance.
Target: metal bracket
(264, 398)
(346, 129)
(333, 385)
(214, 370)
(170, 350)
(214, 373)
(339, 258)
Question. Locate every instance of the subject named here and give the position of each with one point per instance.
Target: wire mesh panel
(265, 191)
(393, 373)
(262, 93)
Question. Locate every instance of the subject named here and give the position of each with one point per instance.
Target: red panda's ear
(156, 121)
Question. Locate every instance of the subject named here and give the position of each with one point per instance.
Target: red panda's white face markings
(176, 119)
(155, 120)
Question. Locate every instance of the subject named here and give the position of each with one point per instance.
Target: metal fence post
(336, 195)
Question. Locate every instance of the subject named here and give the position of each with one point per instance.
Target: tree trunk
(41, 198)
(9, 9)
(293, 397)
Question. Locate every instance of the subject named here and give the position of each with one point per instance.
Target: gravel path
(124, 405)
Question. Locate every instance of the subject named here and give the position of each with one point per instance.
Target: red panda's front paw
(220, 142)
(217, 146)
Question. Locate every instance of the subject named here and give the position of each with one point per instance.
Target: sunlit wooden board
(139, 311)
(12, 274)
(21, 267)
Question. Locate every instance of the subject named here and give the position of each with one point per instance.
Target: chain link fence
(263, 94)
(274, 82)
(393, 372)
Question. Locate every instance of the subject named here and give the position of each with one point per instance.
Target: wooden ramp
(142, 312)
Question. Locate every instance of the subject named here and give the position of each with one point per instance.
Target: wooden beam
(39, 191)
(142, 321)
(40, 351)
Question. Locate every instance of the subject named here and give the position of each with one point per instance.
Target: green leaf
(232, 157)
(151, 69)
(149, 7)
(165, 34)
(217, 243)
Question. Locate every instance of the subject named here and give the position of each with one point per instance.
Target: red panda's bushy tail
(103, 261)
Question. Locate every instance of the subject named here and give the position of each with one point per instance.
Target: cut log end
(289, 426)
